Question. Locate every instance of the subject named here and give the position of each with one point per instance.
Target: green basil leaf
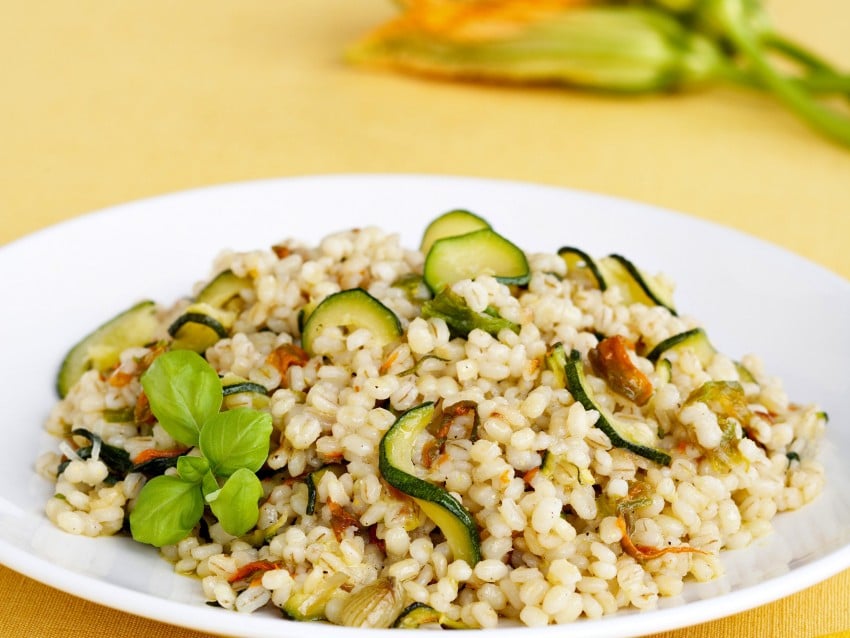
(184, 391)
(236, 439)
(210, 487)
(192, 468)
(235, 506)
(166, 511)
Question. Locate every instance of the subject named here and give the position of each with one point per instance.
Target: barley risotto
(454, 436)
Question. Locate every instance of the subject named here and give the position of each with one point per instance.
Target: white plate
(56, 285)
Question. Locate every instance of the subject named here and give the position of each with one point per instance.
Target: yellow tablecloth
(105, 101)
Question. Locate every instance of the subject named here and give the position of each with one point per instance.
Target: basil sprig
(185, 396)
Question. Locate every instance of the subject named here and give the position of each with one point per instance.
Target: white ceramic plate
(56, 285)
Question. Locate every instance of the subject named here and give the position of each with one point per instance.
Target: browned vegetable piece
(341, 519)
(610, 360)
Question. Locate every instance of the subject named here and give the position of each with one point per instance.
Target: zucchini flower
(628, 49)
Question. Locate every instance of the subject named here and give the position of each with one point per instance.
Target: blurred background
(105, 102)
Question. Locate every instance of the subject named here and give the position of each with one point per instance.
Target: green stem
(796, 53)
(829, 122)
(825, 83)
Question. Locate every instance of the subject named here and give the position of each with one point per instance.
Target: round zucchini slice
(622, 434)
(482, 252)
(635, 286)
(223, 291)
(451, 224)
(102, 348)
(352, 309)
(696, 339)
(395, 462)
(200, 327)
(580, 263)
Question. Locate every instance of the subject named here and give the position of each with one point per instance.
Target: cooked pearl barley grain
(560, 510)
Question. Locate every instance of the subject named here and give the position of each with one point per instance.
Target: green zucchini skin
(101, 348)
(197, 318)
(450, 224)
(243, 386)
(223, 288)
(416, 615)
(574, 257)
(694, 338)
(607, 422)
(635, 286)
(312, 482)
(200, 327)
(351, 308)
(481, 252)
(554, 465)
(395, 464)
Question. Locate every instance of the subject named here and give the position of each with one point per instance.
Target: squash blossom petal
(567, 42)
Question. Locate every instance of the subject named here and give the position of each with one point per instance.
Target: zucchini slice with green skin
(199, 327)
(243, 386)
(451, 224)
(239, 392)
(304, 607)
(696, 339)
(395, 462)
(102, 348)
(577, 260)
(223, 289)
(313, 479)
(665, 371)
(557, 466)
(353, 309)
(622, 434)
(481, 252)
(417, 615)
(556, 361)
(635, 286)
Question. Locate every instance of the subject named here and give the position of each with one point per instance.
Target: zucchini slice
(304, 314)
(353, 309)
(304, 607)
(395, 462)
(313, 479)
(695, 339)
(238, 387)
(199, 327)
(622, 434)
(102, 348)
(451, 224)
(481, 252)
(580, 262)
(239, 392)
(418, 615)
(556, 466)
(635, 286)
(556, 361)
(223, 290)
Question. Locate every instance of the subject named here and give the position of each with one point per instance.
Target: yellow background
(103, 102)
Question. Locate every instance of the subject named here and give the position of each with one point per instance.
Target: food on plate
(380, 437)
